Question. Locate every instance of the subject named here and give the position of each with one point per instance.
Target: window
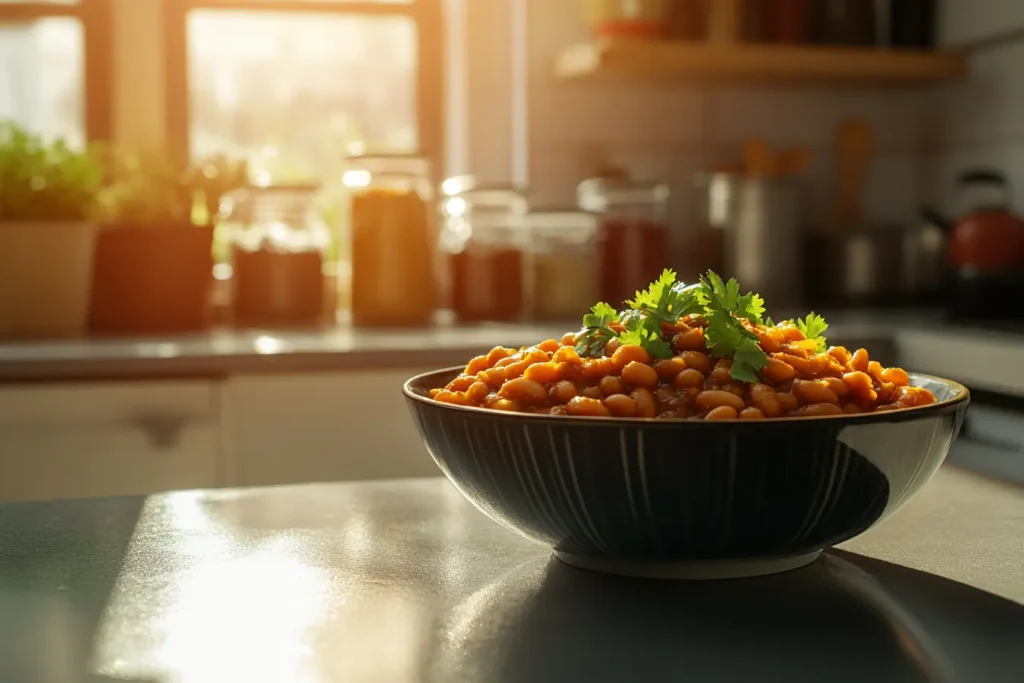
(55, 67)
(292, 86)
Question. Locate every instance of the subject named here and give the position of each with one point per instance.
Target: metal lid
(597, 194)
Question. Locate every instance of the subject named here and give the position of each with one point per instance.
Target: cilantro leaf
(601, 314)
(725, 334)
(667, 300)
(813, 327)
(596, 331)
(646, 332)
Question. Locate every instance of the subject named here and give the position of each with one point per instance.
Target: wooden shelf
(637, 59)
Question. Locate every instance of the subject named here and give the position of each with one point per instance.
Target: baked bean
(769, 344)
(688, 379)
(611, 385)
(496, 354)
(629, 353)
(886, 392)
(545, 373)
(524, 391)
(563, 392)
(434, 392)
(636, 374)
(549, 345)
(766, 400)
(897, 376)
(598, 367)
(589, 407)
(837, 386)
(476, 365)
(669, 368)
(876, 370)
(722, 413)
(787, 401)
(722, 372)
(461, 383)
(620, 405)
(790, 333)
(803, 348)
(567, 354)
(851, 409)
(493, 377)
(808, 392)
(646, 405)
(841, 354)
(777, 371)
(477, 392)
(807, 368)
(817, 409)
(708, 400)
(861, 387)
(507, 405)
(612, 346)
(701, 362)
(445, 396)
(569, 339)
(592, 392)
(734, 387)
(516, 369)
(859, 361)
(751, 414)
(688, 340)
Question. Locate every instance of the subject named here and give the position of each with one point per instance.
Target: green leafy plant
(146, 188)
(45, 181)
(667, 301)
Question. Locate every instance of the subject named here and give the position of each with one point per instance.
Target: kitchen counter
(404, 581)
(228, 352)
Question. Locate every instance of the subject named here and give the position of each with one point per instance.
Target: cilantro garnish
(597, 333)
(725, 334)
(667, 300)
(646, 332)
(813, 327)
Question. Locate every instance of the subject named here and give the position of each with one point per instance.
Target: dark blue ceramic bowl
(687, 499)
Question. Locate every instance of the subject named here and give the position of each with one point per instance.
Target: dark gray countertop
(227, 352)
(403, 582)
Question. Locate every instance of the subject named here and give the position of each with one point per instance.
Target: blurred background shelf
(639, 59)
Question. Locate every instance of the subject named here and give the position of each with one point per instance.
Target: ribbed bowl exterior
(652, 490)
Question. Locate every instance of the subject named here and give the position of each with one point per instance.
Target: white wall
(671, 131)
(979, 122)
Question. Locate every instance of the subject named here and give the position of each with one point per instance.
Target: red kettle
(989, 239)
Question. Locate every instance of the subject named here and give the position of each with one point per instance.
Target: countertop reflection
(405, 582)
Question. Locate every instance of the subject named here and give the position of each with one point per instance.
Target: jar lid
(597, 194)
(259, 203)
(570, 225)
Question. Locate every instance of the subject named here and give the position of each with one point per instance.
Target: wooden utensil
(855, 147)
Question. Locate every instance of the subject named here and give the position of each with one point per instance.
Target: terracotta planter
(152, 279)
(45, 277)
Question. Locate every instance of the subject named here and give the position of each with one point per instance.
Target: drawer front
(103, 439)
(324, 427)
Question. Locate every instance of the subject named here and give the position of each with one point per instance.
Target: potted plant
(47, 197)
(154, 263)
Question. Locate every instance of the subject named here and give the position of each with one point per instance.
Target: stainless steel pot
(877, 265)
(760, 220)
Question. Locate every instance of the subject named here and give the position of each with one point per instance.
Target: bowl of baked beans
(690, 443)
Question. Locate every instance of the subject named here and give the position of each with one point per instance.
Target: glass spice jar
(633, 244)
(278, 246)
(484, 243)
(394, 241)
(564, 272)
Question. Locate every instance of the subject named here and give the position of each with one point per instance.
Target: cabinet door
(324, 427)
(108, 439)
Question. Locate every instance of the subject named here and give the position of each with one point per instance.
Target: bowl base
(690, 571)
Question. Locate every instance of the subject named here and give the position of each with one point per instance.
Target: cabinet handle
(163, 431)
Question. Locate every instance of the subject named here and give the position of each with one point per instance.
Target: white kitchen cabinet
(322, 427)
(89, 439)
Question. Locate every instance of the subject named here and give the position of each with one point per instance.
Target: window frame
(430, 80)
(98, 61)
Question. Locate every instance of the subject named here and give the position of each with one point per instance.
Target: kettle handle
(987, 176)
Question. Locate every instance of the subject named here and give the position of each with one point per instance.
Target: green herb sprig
(719, 302)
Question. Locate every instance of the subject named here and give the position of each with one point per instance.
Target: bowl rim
(961, 395)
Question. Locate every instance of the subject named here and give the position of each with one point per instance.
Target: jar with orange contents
(483, 243)
(394, 241)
